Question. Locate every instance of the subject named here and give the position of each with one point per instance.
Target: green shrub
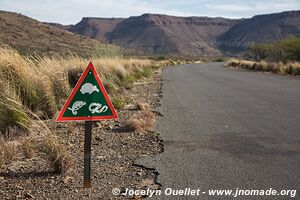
(127, 81)
(138, 74)
(259, 51)
(147, 72)
(118, 102)
(284, 50)
(110, 88)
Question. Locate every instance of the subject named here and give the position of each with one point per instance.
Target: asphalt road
(226, 129)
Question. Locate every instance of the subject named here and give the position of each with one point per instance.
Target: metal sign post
(87, 153)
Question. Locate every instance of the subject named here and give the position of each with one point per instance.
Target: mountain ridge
(151, 34)
(156, 33)
(172, 35)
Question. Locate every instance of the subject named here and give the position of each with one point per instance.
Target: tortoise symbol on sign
(89, 88)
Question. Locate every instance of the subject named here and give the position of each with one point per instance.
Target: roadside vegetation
(281, 57)
(33, 90)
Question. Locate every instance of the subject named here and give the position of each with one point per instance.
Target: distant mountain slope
(61, 26)
(169, 35)
(96, 28)
(28, 35)
(261, 29)
(148, 33)
(163, 34)
(157, 34)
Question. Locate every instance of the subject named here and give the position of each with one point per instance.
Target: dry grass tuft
(28, 148)
(42, 84)
(70, 127)
(291, 68)
(141, 121)
(56, 153)
(12, 119)
(19, 74)
(43, 140)
(74, 75)
(8, 152)
(133, 125)
(143, 106)
(46, 142)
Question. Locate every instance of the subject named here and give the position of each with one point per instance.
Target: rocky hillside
(96, 28)
(162, 34)
(148, 33)
(157, 34)
(261, 29)
(28, 35)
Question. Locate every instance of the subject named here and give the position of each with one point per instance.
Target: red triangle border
(114, 115)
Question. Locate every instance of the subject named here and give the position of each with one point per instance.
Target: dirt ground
(113, 153)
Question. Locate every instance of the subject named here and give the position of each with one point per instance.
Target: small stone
(101, 157)
(98, 138)
(140, 173)
(67, 179)
(129, 107)
(19, 187)
(76, 191)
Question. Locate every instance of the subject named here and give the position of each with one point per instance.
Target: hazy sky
(71, 11)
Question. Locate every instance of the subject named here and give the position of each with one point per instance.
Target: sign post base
(87, 184)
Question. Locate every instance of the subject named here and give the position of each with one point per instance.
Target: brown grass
(41, 139)
(71, 128)
(8, 152)
(42, 84)
(140, 122)
(57, 154)
(28, 148)
(48, 143)
(291, 68)
(143, 106)
(133, 125)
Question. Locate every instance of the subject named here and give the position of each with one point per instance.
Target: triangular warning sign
(88, 101)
